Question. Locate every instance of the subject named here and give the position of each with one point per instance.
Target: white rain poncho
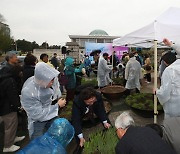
(176, 47)
(36, 98)
(103, 73)
(169, 92)
(133, 74)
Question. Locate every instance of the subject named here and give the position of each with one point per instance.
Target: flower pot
(113, 92)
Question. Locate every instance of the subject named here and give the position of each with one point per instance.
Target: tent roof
(166, 25)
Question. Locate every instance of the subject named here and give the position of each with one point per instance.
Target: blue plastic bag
(54, 141)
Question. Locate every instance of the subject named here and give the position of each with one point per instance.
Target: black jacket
(28, 71)
(9, 97)
(142, 140)
(15, 71)
(54, 62)
(79, 109)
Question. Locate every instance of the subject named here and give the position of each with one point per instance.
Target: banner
(105, 48)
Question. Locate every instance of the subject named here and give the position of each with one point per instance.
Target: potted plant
(142, 103)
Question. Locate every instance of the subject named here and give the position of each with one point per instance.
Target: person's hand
(82, 141)
(154, 91)
(107, 125)
(61, 102)
(167, 42)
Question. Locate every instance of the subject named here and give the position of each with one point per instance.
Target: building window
(73, 40)
(82, 42)
(108, 40)
(92, 40)
(77, 40)
(100, 40)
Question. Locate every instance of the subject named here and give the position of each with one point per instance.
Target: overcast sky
(54, 20)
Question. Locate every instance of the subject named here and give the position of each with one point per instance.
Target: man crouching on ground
(87, 102)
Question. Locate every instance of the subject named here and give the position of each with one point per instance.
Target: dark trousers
(70, 95)
(1, 135)
(148, 77)
(88, 72)
(128, 91)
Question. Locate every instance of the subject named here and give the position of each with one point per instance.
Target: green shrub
(142, 101)
(101, 142)
(118, 81)
(92, 82)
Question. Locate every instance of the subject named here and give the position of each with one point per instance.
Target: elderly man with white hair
(138, 140)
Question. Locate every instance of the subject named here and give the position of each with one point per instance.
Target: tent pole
(112, 67)
(155, 81)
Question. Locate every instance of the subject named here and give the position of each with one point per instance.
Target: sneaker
(12, 148)
(17, 139)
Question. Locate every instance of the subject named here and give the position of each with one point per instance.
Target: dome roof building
(95, 36)
(77, 43)
(98, 32)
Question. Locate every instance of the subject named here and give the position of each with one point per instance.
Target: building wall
(49, 52)
(81, 41)
(74, 52)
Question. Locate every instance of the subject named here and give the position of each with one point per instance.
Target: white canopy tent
(166, 25)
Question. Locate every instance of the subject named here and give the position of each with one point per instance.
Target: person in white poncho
(103, 71)
(36, 99)
(133, 74)
(169, 92)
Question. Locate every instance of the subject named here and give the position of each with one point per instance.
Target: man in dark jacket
(88, 101)
(54, 61)
(29, 66)
(138, 140)
(9, 103)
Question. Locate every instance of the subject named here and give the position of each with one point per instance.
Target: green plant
(101, 142)
(92, 82)
(118, 81)
(142, 101)
(66, 111)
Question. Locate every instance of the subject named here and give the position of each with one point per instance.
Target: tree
(5, 41)
(25, 46)
(34, 45)
(54, 47)
(44, 45)
(5, 38)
